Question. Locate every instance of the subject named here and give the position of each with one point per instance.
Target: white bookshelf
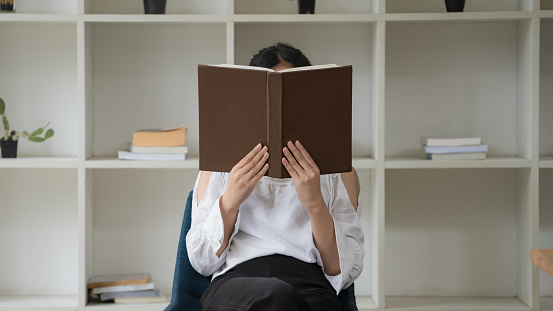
(440, 235)
(546, 150)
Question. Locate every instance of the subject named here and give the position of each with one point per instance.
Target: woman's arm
(307, 181)
(242, 180)
(346, 211)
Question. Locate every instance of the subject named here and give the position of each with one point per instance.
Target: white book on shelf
(450, 140)
(455, 149)
(457, 156)
(127, 155)
(155, 149)
(122, 288)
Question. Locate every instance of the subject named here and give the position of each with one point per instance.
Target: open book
(241, 106)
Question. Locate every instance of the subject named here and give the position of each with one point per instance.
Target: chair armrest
(188, 285)
(175, 306)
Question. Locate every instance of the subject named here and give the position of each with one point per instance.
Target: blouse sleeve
(349, 235)
(207, 229)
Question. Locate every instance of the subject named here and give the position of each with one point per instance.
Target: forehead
(281, 66)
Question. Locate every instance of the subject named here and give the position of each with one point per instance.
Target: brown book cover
(241, 106)
(118, 279)
(160, 137)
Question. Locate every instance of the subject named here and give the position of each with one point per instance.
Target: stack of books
(454, 148)
(158, 145)
(124, 288)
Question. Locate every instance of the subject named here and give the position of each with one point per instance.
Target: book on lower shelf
(124, 288)
(130, 294)
(118, 279)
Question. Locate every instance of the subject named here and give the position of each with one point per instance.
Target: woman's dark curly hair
(279, 53)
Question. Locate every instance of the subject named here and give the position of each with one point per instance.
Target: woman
(276, 244)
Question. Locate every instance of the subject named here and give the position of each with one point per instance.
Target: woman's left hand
(305, 173)
(307, 179)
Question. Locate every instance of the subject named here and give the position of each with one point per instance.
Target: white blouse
(272, 220)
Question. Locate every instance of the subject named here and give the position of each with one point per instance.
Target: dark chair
(189, 285)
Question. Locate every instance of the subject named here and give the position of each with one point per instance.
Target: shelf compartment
(40, 87)
(433, 6)
(473, 85)
(454, 304)
(546, 91)
(39, 303)
(137, 7)
(136, 214)
(153, 230)
(546, 228)
(38, 234)
(546, 5)
(422, 163)
(149, 72)
(351, 45)
(439, 229)
(291, 7)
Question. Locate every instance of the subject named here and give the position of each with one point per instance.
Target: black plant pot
(154, 6)
(9, 148)
(306, 6)
(455, 5)
(7, 6)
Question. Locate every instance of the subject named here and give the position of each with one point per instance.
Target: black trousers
(271, 283)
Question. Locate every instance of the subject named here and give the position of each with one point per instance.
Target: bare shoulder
(352, 186)
(202, 184)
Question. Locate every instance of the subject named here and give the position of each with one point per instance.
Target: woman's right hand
(244, 176)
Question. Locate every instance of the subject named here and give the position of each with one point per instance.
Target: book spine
(274, 126)
(120, 283)
(455, 149)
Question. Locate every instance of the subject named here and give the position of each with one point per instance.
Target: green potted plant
(8, 142)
